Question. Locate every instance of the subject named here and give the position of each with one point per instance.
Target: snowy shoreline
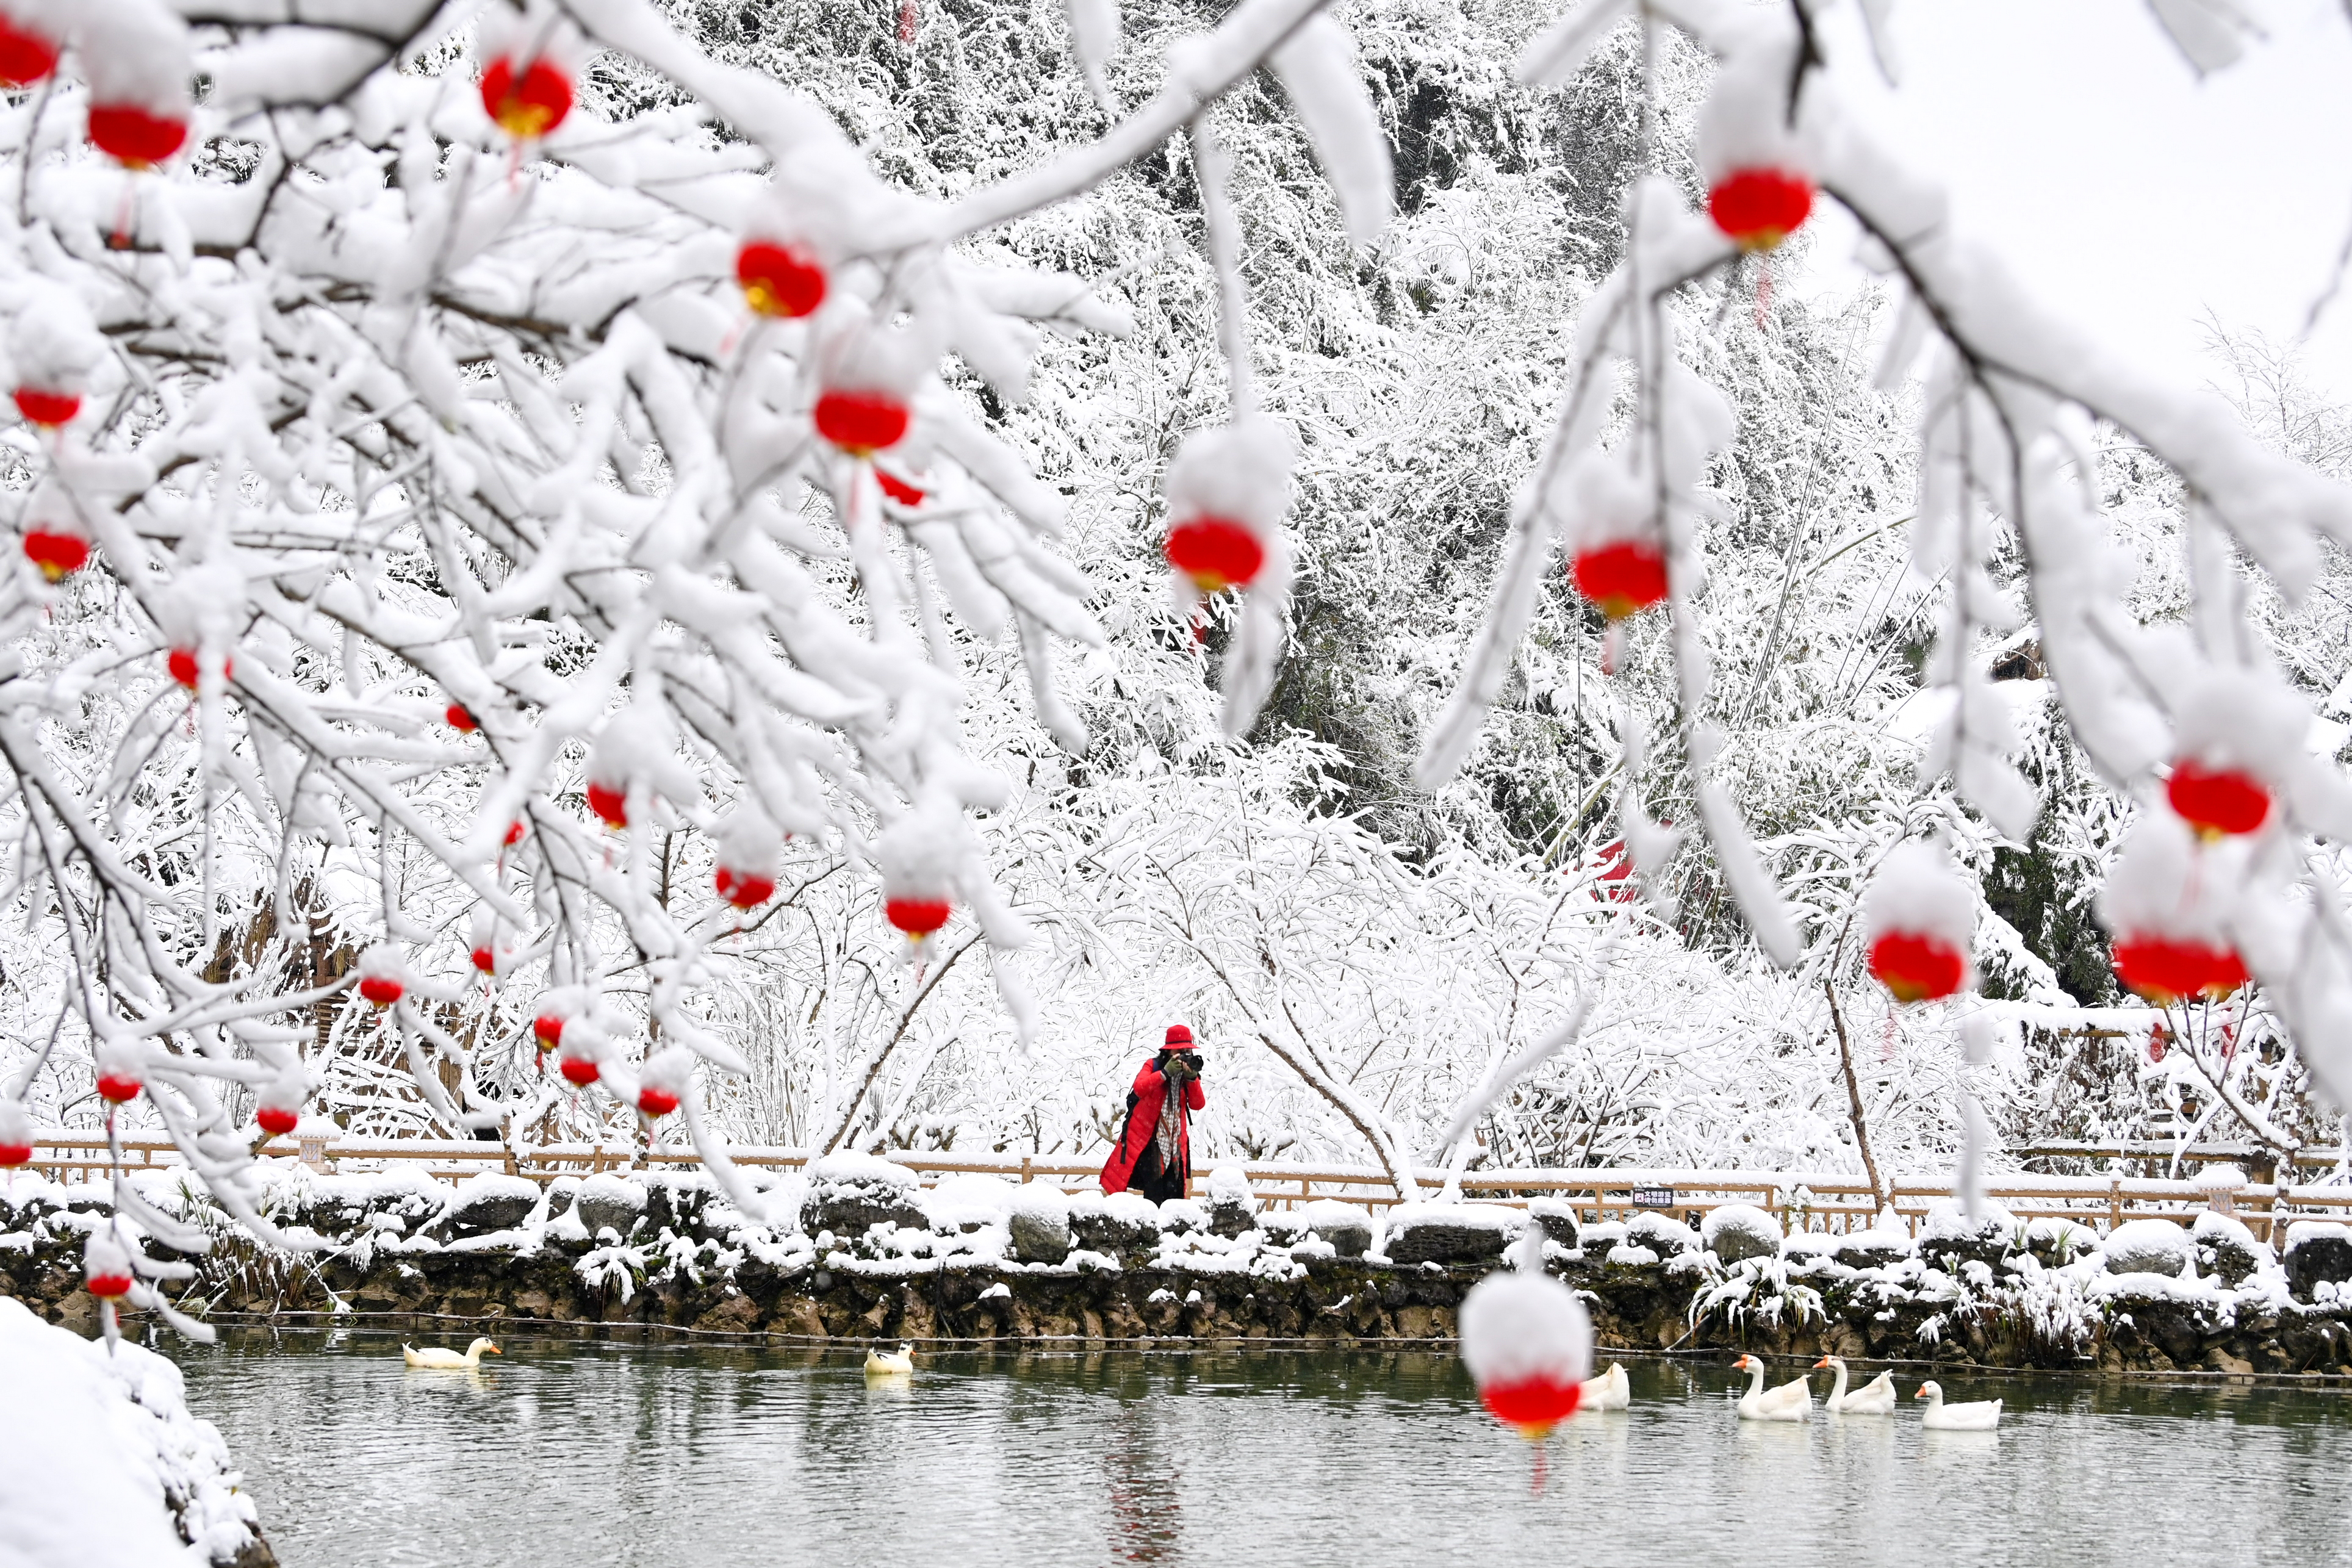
(858, 1250)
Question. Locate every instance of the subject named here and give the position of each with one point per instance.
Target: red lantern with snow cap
(16, 1135)
(920, 857)
(56, 540)
(487, 949)
(1228, 490)
(138, 75)
(868, 375)
(54, 347)
(1917, 920)
(1616, 554)
(106, 1267)
(662, 1083)
(1757, 166)
(748, 850)
(634, 747)
(29, 35)
(120, 1074)
(581, 1062)
(780, 279)
(1528, 1347)
(2238, 734)
(383, 977)
(280, 1107)
(2172, 909)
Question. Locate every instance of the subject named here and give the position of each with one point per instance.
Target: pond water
(568, 1453)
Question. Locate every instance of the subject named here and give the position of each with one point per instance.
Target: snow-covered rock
(100, 1464)
(605, 1199)
(1949, 1238)
(1448, 1232)
(1557, 1218)
(2227, 1249)
(1346, 1229)
(1661, 1234)
(2318, 1252)
(2146, 1246)
(485, 1203)
(850, 1194)
(1877, 1247)
(970, 1202)
(1113, 1223)
(1040, 1221)
(1232, 1207)
(1738, 1231)
(2056, 1242)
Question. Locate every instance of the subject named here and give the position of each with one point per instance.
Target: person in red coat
(1154, 1153)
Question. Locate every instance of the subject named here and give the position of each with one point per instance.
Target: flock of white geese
(1611, 1391)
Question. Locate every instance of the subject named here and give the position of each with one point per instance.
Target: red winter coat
(1150, 1093)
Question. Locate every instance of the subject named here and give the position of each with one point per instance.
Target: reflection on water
(574, 1453)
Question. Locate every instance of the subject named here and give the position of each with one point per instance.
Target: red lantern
(382, 990)
(134, 136)
(1216, 552)
(862, 422)
(549, 1028)
(112, 1285)
(276, 1119)
(45, 409)
(2165, 971)
(2217, 801)
(1622, 579)
(486, 959)
(461, 718)
(898, 490)
(2159, 1039)
(26, 56)
(611, 805)
(530, 108)
(780, 280)
(15, 1152)
(119, 1086)
(655, 1101)
(1760, 207)
(514, 833)
(580, 1071)
(744, 890)
(917, 917)
(1916, 968)
(181, 666)
(1535, 1405)
(58, 555)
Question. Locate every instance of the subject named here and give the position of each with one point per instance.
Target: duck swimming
(436, 1357)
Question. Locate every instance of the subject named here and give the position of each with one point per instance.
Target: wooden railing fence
(1831, 1203)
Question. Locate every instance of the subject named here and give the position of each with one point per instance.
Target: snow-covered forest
(491, 653)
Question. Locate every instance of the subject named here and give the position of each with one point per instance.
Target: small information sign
(1653, 1197)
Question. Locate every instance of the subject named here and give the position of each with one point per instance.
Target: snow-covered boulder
(1739, 1231)
(1346, 1229)
(1183, 1216)
(1114, 1223)
(1448, 1232)
(1232, 1207)
(491, 1202)
(605, 1199)
(1283, 1227)
(970, 1202)
(1877, 1247)
(2227, 1249)
(1950, 1239)
(2318, 1252)
(1040, 1218)
(100, 1464)
(1557, 1218)
(1810, 1246)
(2146, 1246)
(848, 1194)
(1653, 1231)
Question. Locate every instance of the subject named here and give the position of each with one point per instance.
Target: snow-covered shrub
(2319, 1253)
(2056, 1241)
(2226, 1249)
(1738, 1231)
(100, 1462)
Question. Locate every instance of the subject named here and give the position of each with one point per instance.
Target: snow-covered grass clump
(100, 1464)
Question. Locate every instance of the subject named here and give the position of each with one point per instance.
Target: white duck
(1875, 1397)
(1979, 1415)
(433, 1356)
(1789, 1402)
(1610, 1390)
(899, 1363)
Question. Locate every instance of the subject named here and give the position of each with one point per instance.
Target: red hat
(1177, 1035)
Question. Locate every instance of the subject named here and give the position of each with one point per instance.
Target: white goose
(1789, 1402)
(437, 1359)
(898, 1363)
(1610, 1390)
(1875, 1397)
(1979, 1415)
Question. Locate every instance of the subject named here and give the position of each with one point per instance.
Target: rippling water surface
(567, 1454)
